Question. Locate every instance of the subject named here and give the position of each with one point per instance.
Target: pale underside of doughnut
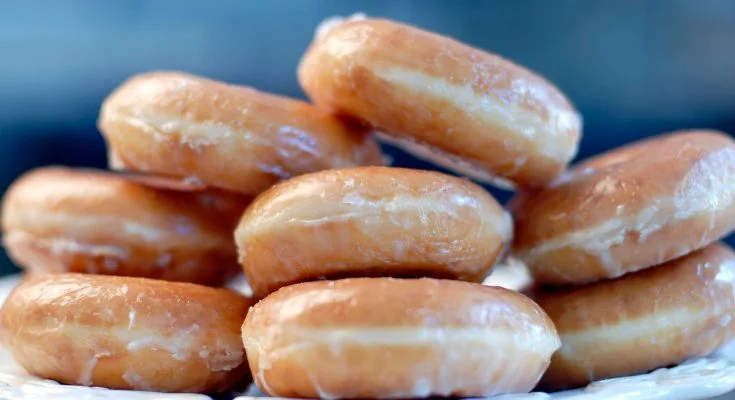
(456, 164)
(408, 361)
(698, 211)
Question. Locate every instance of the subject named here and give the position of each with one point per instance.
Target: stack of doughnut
(624, 249)
(367, 279)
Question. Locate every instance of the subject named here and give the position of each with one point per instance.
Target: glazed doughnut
(225, 136)
(126, 333)
(467, 110)
(57, 219)
(378, 338)
(370, 221)
(642, 321)
(628, 209)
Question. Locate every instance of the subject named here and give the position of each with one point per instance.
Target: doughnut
(378, 338)
(628, 209)
(370, 221)
(469, 111)
(645, 320)
(57, 219)
(224, 136)
(126, 333)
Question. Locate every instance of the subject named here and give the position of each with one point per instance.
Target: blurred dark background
(633, 68)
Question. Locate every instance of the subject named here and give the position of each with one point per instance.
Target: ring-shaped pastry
(225, 136)
(376, 338)
(371, 221)
(645, 320)
(463, 108)
(628, 209)
(126, 333)
(57, 219)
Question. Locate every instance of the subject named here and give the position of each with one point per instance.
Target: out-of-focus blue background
(633, 68)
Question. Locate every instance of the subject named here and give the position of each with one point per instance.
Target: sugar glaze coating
(460, 107)
(126, 333)
(369, 221)
(628, 209)
(396, 338)
(225, 136)
(57, 219)
(645, 320)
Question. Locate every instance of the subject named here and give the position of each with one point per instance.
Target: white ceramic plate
(696, 379)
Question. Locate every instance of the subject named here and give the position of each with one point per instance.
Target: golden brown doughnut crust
(57, 219)
(396, 338)
(370, 221)
(630, 208)
(226, 136)
(126, 333)
(642, 321)
(478, 113)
